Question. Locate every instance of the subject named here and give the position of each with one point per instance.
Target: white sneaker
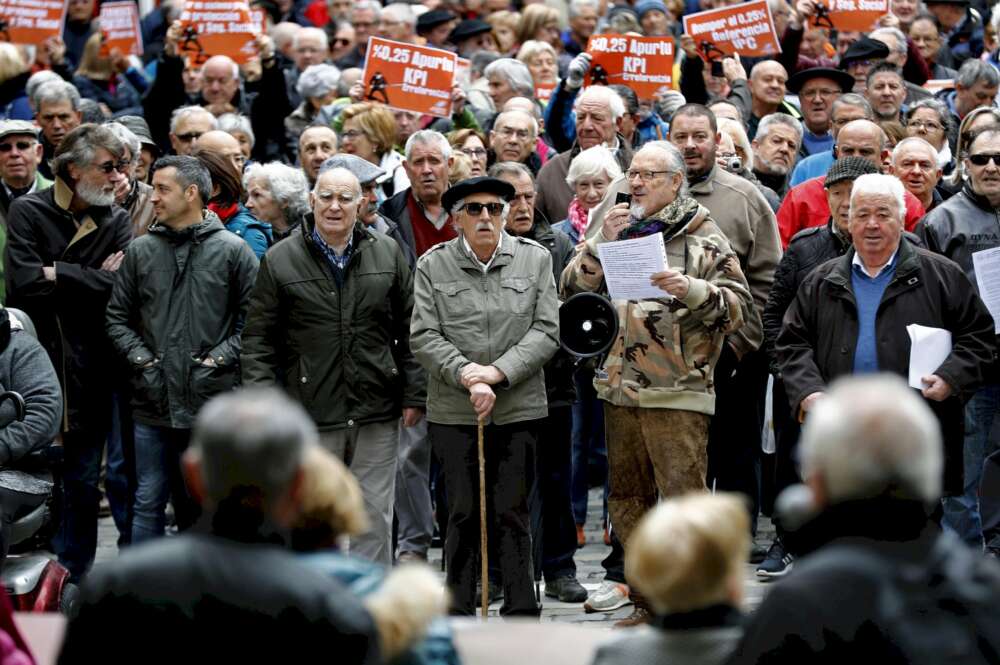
(607, 597)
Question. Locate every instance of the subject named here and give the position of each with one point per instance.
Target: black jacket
(180, 297)
(69, 312)
(341, 350)
(396, 210)
(817, 340)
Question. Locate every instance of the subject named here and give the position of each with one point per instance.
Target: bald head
(767, 86)
(220, 79)
(863, 138)
(224, 144)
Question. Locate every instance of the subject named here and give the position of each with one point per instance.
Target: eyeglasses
(20, 145)
(925, 125)
(190, 136)
(340, 41)
(984, 158)
(644, 176)
(474, 152)
(476, 209)
(508, 132)
(352, 134)
(107, 167)
(818, 92)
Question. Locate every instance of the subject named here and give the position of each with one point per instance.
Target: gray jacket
(507, 317)
(961, 226)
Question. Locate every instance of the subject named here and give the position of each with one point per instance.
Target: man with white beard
(64, 245)
(775, 148)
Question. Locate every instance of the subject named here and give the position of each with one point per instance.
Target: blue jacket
(569, 230)
(811, 167)
(256, 233)
(126, 99)
(14, 104)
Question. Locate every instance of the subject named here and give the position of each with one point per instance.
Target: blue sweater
(868, 292)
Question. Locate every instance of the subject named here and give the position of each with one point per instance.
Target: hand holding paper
(929, 347)
(629, 267)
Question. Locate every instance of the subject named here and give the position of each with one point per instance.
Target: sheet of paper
(628, 265)
(987, 266)
(928, 349)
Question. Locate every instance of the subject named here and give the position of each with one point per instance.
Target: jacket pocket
(457, 299)
(517, 296)
(207, 382)
(149, 387)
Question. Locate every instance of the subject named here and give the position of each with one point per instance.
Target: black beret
(477, 185)
(865, 48)
(468, 29)
(840, 77)
(432, 19)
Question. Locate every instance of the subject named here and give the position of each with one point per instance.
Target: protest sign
(409, 77)
(746, 29)
(31, 21)
(217, 27)
(119, 25)
(937, 85)
(848, 15)
(463, 71)
(645, 64)
(543, 91)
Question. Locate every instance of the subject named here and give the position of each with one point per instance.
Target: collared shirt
(438, 221)
(856, 261)
(484, 266)
(338, 261)
(10, 192)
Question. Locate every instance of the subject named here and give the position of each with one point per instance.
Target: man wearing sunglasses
(959, 228)
(20, 154)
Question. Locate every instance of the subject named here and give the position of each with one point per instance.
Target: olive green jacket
(507, 317)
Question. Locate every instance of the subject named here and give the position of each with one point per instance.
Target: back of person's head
(224, 176)
(688, 552)
(872, 436)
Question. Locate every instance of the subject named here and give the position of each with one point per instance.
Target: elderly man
(246, 465)
(915, 163)
(886, 91)
(818, 89)
(316, 145)
(149, 150)
(774, 150)
(767, 95)
(583, 17)
(976, 85)
(365, 16)
(805, 205)
(310, 46)
(435, 26)
(133, 194)
(471, 36)
(958, 228)
(659, 397)
(508, 78)
(187, 125)
(859, 58)
(64, 245)
(551, 505)
(513, 140)
(224, 145)
(359, 383)
(850, 317)
(847, 107)
(57, 112)
(484, 358)
(399, 23)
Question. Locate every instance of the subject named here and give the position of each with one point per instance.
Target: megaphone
(588, 325)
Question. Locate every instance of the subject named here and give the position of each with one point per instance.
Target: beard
(772, 168)
(95, 196)
(636, 214)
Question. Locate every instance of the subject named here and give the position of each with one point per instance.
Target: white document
(928, 349)
(987, 266)
(628, 265)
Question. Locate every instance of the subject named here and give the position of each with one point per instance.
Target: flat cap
(468, 29)
(848, 168)
(865, 48)
(362, 169)
(477, 185)
(8, 127)
(838, 76)
(139, 127)
(432, 19)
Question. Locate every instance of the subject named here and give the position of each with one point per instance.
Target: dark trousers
(989, 501)
(119, 470)
(76, 539)
(786, 443)
(552, 520)
(589, 450)
(734, 435)
(508, 470)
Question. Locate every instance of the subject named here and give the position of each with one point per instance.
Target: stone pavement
(588, 564)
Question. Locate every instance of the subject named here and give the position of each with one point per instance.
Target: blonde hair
(532, 48)
(11, 62)
(686, 552)
(534, 18)
(504, 19)
(331, 503)
(92, 64)
(376, 121)
(461, 167)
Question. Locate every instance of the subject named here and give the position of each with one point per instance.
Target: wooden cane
(482, 524)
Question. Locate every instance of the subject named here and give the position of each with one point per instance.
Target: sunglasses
(476, 209)
(20, 145)
(190, 136)
(107, 167)
(340, 41)
(984, 158)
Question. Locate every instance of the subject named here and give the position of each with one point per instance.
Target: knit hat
(645, 6)
(848, 168)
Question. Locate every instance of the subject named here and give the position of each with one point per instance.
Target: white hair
(185, 112)
(914, 141)
(128, 138)
(361, 5)
(878, 184)
(674, 161)
(592, 162)
(426, 137)
(341, 172)
(738, 135)
(288, 187)
(895, 33)
(602, 95)
(576, 5)
(872, 434)
(515, 73)
(505, 114)
(311, 32)
(318, 81)
(402, 12)
(235, 122)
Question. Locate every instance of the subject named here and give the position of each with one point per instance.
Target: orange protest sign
(937, 85)
(31, 21)
(217, 28)
(746, 29)
(119, 25)
(543, 91)
(409, 77)
(645, 64)
(850, 15)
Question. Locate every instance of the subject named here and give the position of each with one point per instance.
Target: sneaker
(566, 589)
(607, 597)
(777, 563)
(758, 552)
(581, 538)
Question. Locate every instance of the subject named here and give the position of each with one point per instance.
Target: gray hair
(895, 33)
(629, 98)
(602, 95)
(881, 185)
(288, 187)
(311, 32)
(80, 146)
(427, 137)
(769, 121)
(402, 12)
(480, 60)
(674, 161)
(872, 435)
(234, 122)
(852, 99)
(515, 73)
(974, 70)
(914, 141)
(190, 171)
(532, 48)
(516, 169)
(128, 139)
(254, 438)
(53, 92)
(318, 81)
(361, 5)
(936, 105)
(576, 5)
(505, 114)
(591, 163)
(185, 112)
(37, 80)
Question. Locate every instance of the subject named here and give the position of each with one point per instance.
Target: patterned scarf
(682, 209)
(577, 217)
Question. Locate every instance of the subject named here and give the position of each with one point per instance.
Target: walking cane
(482, 523)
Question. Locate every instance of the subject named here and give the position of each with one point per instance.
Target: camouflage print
(667, 348)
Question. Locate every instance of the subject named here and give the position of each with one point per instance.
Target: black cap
(840, 77)
(865, 48)
(848, 168)
(477, 185)
(467, 29)
(432, 19)
(622, 9)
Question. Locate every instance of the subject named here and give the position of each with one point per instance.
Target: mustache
(484, 226)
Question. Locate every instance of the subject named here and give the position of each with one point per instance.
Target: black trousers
(508, 474)
(786, 443)
(553, 526)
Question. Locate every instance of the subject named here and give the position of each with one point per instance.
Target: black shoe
(758, 552)
(495, 592)
(777, 563)
(566, 589)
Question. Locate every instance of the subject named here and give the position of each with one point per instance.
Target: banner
(937, 85)
(746, 29)
(31, 21)
(543, 92)
(409, 77)
(645, 64)
(848, 15)
(217, 27)
(119, 25)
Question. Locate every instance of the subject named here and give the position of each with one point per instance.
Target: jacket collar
(907, 262)
(358, 234)
(504, 255)
(705, 184)
(195, 233)
(62, 193)
(883, 518)
(978, 199)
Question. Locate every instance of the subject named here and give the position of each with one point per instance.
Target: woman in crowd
(540, 58)
(540, 22)
(14, 75)
(472, 144)
(226, 202)
(505, 30)
(590, 173)
(369, 131)
(930, 120)
(238, 126)
(111, 80)
(317, 86)
(277, 194)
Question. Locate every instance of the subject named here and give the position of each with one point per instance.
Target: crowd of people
(179, 230)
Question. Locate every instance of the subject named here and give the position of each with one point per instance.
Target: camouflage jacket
(666, 349)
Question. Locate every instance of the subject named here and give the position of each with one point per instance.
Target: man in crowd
(310, 46)
(583, 16)
(174, 318)
(818, 89)
(187, 125)
(471, 36)
(365, 17)
(399, 23)
(914, 162)
(847, 107)
(775, 147)
(334, 274)
(513, 140)
(316, 145)
(958, 228)
(64, 245)
(224, 145)
(57, 112)
(435, 26)
(885, 91)
(860, 57)
(767, 94)
(133, 195)
(976, 85)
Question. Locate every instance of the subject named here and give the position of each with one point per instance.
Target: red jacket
(805, 206)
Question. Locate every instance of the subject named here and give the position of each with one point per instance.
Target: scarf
(225, 212)
(577, 217)
(675, 214)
